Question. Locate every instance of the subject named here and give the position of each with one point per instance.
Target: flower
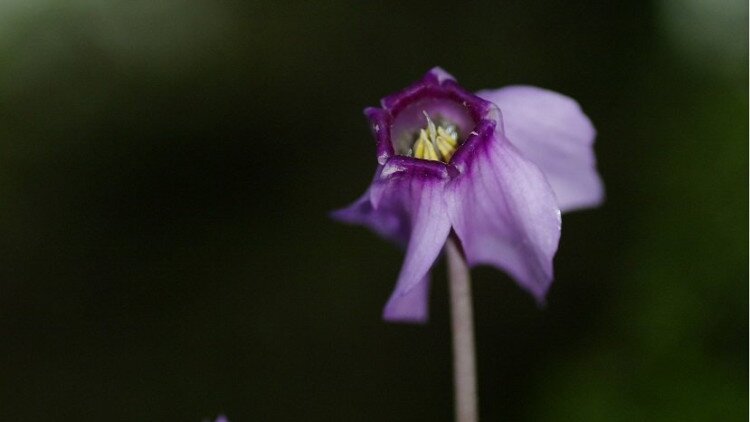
(496, 168)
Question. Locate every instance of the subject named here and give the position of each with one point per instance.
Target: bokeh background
(166, 169)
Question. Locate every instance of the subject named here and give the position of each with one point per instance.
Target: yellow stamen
(445, 148)
(419, 145)
(437, 143)
(449, 134)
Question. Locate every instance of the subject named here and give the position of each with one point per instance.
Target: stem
(462, 324)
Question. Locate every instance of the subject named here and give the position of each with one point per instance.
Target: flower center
(436, 142)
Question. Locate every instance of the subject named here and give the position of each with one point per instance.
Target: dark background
(166, 169)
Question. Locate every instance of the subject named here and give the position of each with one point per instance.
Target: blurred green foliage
(166, 169)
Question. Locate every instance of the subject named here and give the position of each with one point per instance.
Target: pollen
(436, 142)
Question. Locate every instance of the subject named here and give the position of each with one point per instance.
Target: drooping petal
(405, 204)
(504, 211)
(415, 189)
(411, 306)
(552, 131)
(392, 224)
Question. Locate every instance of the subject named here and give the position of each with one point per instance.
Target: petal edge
(505, 213)
(551, 130)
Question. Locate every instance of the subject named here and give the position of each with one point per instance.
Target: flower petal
(504, 211)
(414, 189)
(551, 130)
(388, 223)
(412, 306)
(405, 204)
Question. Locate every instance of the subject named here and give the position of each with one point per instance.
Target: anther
(435, 142)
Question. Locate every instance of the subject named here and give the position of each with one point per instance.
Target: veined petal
(415, 189)
(504, 211)
(405, 204)
(551, 130)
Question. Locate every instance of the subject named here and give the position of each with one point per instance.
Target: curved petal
(388, 223)
(415, 189)
(412, 306)
(551, 130)
(405, 203)
(504, 211)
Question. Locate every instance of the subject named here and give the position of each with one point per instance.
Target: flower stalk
(462, 326)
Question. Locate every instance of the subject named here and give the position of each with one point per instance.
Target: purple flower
(496, 167)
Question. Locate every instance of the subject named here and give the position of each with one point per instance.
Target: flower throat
(435, 142)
